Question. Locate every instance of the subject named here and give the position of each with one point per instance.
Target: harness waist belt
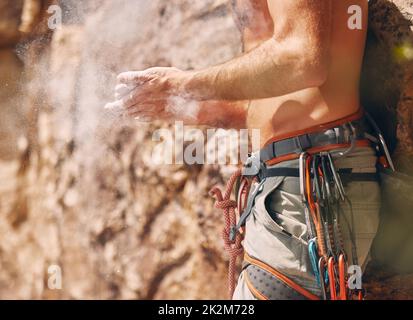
(345, 173)
(339, 135)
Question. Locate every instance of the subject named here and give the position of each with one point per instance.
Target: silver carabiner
(353, 139)
(302, 164)
(387, 152)
(337, 178)
(381, 140)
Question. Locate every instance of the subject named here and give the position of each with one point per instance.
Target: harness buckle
(303, 143)
(252, 166)
(353, 140)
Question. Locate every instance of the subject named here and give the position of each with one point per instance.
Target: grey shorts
(276, 230)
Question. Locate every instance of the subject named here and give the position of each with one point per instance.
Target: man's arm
(295, 58)
(214, 113)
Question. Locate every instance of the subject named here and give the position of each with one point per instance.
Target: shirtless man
(300, 71)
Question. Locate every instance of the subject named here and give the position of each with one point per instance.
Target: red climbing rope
(233, 248)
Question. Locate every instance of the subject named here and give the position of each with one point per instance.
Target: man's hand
(148, 94)
(155, 94)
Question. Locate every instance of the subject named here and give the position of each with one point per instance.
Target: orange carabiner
(342, 276)
(332, 278)
(322, 273)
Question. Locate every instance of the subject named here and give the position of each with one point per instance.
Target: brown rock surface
(11, 125)
(93, 203)
(10, 17)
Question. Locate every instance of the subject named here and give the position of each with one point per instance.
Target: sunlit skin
(301, 68)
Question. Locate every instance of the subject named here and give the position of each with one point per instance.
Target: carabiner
(316, 173)
(332, 278)
(327, 177)
(322, 276)
(353, 141)
(342, 263)
(313, 253)
(302, 168)
(381, 141)
(336, 176)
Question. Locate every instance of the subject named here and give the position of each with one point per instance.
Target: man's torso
(337, 98)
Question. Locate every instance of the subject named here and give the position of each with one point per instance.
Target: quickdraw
(322, 193)
(332, 272)
(342, 271)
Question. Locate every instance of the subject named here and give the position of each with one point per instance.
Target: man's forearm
(296, 57)
(272, 69)
(221, 114)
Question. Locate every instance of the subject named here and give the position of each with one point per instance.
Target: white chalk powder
(182, 107)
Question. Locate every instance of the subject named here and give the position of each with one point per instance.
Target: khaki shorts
(278, 209)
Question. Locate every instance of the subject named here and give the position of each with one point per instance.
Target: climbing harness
(321, 186)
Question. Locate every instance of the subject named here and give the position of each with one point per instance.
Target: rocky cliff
(78, 189)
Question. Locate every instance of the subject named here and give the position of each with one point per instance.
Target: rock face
(11, 126)
(10, 18)
(91, 202)
(82, 195)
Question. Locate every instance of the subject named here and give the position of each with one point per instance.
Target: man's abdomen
(298, 111)
(337, 98)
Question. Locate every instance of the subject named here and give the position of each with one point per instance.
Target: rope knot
(234, 248)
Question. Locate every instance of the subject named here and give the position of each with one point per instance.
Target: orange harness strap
(322, 127)
(319, 128)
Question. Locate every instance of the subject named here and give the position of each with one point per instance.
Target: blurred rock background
(77, 187)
